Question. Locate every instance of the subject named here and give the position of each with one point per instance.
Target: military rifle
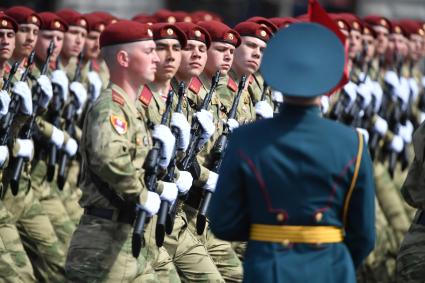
(263, 96)
(90, 97)
(217, 157)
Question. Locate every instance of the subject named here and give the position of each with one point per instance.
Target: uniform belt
(296, 234)
(111, 214)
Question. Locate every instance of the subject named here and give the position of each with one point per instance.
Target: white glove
(380, 126)
(205, 119)
(403, 91)
(391, 78)
(365, 91)
(4, 154)
(57, 137)
(184, 182)
(71, 147)
(397, 144)
(26, 148)
(421, 117)
(277, 96)
(163, 134)
(423, 81)
(365, 134)
(46, 89)
(152, 204)
(324, 101)
(169, 192)
(264, 109)
(95, 80)
(80, 93)
(23, 91)
(179, 121)
(406, 132)
(59, 78)
(211, 182)
(232, 124)
(4, 102)
(351, 90)
(377, 92)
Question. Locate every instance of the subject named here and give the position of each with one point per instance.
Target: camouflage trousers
(100, 251)
(189, 255)
(70, 195)
(223, 255)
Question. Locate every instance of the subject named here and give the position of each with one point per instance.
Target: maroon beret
(125, 31)
(195, 32)
(368, 30)
(164, 31)
(264, 22)
(353, 21)
(411, 27)
(144, 19)
(73, 18)
(164, 16)
(341, 22)
(108, 18)
(375, 20)
(204, 16)
(397, 28)
(254, 29)
(7, 22)
(23, 15)
(51, 21)
(95, 23)
(221, 33)
(182, 16)
(283, 22)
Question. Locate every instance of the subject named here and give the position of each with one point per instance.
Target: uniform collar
(298, 110)
(130, 104)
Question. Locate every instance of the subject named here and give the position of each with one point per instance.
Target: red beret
(375, 20)
(144, 19)
(125, 31)
(50, 21)
(7, 22)
(221, 32)
(204, 16)
(398, 28)
(164, 31)
(254, 30)
(411, 27)
(353, 21)
(95, 23)
(182, 16)
(73, 18)
(195, 32)
(164, 16)
(23, 15)
(264, 22)
(108, 18)
(368, 30)
(341, 22)
(283, 22)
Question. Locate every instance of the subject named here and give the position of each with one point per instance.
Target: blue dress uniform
(299, 188)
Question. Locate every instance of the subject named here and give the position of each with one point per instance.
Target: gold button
(280, 217)
(318, 216)
(286, 243)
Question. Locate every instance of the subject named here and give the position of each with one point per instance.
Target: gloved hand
(391, 78)
(232, 124)
(211, 182)
(184, 182)
(71, 147)
(151, 206)
(324, 101)
(57, 137)
(397, 144)
(46, 90)
(377, 92)
(179, 121)
(80, 93)
(365, 91)
(380, 126)
(402, 91)
(169, 192)
(205, 119)
(25, 148)
(351, 90)
(59, 78)
(4, 154)
(22, 90)
(406, 132)
(95, 80)
(4, 102)
(264, 109)
(277, 96)
(163, 134)
(365, 134)
(421, 117)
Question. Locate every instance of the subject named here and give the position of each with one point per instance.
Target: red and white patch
(120, 124)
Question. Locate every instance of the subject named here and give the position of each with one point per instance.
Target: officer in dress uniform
(302, 193)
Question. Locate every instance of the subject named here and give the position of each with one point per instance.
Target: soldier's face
(43, 41)
(91, 45)
(415, 46)
(26, 37)
(74, 41)
(220, 57)
(355, 46)
(381, 39)
(248, 55)
(369, 43)
(194, 58)
(7, 44)
(169, 53)
(143, 62)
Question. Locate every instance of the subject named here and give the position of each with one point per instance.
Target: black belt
(126, 217)
(421, 218)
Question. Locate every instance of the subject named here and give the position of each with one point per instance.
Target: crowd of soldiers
(147, 150)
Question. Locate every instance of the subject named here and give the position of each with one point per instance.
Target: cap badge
(171, 20)
(150, 33)
(263, 33)
(187, 19)
(83, 23)
(198, 33)
(101, 27)
(4, 23)
(170, 31)
(208, 17)
(341, 24)
(356, 25)
(383, 22)
(34, 19)
(397, 29)
(57, 24)
(230, 36)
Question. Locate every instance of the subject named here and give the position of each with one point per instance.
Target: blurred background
(232, 11)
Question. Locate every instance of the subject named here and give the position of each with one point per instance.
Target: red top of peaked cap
(221, 32)
(125, 31)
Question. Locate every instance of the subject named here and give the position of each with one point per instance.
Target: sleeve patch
(145, 96)
(195, 85)
(120, 124)
(231, 84)
(118, 98)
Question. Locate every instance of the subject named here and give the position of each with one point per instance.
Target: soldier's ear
(122, 58)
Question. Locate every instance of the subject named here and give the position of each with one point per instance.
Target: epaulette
(116, 97)
(7, 68)
(251, 79)
(95, 66)
(232, 85)
(195, 85)
(146, 95)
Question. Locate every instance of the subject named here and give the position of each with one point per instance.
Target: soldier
(274, 173)
(114, 145)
